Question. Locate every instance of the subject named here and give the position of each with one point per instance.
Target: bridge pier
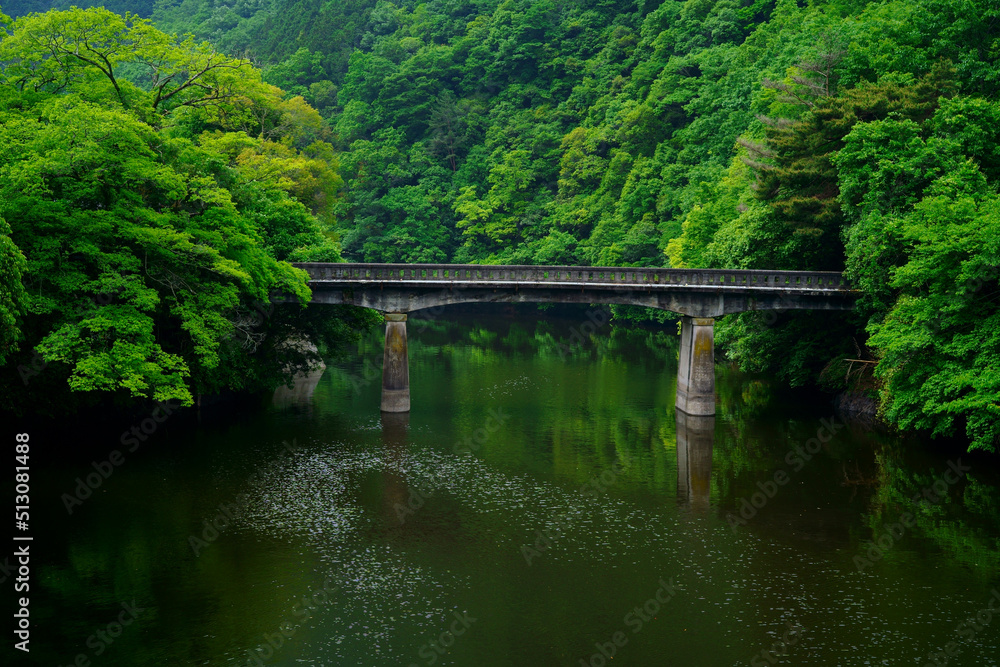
(696, 367)
(395, 365)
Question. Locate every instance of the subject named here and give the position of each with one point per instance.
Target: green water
(532, 507)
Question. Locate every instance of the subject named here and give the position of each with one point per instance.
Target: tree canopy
(153, 191)
(834, 134)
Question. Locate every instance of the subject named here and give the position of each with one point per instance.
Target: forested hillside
(720, 133)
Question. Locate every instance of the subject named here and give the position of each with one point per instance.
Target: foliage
(718, 133)
(938, 344)
(12, 296)
(153, 190)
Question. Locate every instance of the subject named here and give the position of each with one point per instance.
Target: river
(541, 504)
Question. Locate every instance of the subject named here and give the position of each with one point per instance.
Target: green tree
(13, 299)
(153, 231)
(939, 345)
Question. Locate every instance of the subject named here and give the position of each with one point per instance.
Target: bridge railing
(598, 275)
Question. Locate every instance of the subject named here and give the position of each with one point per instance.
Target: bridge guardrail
(597, 275)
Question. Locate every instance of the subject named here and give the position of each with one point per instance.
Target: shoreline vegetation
(155, 188)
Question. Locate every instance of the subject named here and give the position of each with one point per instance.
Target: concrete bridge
(699, 295)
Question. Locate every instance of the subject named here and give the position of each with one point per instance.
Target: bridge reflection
(695, 437)
(301, 391)
(395, 489)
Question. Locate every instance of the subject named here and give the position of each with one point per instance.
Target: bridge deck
(591, 277)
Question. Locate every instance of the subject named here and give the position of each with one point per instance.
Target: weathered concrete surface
(404, 288)
(695, 435)
(696, 366)
(396, 366)
(694, 301)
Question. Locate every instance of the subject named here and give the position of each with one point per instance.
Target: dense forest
(155, 186)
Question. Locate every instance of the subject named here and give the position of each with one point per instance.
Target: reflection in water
(394, 428)
(694, 459)
(394, 441)
(335, 506)
(301, 391)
